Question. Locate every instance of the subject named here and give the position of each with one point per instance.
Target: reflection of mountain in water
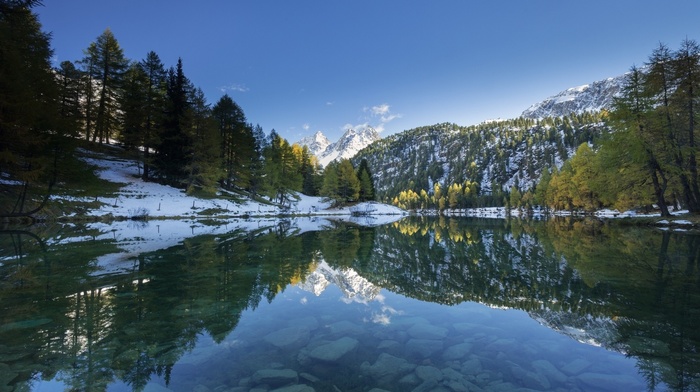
(597, 331)
(627, 289)
(353, 286)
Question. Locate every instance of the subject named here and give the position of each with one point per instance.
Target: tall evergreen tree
(69, 78)
(238, 144)
(106, 66)
(340, 182)
(174, 149)
(660, 85)
(310, 170)
(635, 134)
(258, 164)
(132, 104)
(366, 182)
(154, 107)
(30, 142)
(282, 171)
(686, 68)
(204, 169)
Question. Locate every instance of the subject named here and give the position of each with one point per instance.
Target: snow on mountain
(347, 146)
(587, 98)
(317, 143)
(353, 286)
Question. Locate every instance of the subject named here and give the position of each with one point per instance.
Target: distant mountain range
(576, 100)
(592, 97)
(498, 155)
(347, 146)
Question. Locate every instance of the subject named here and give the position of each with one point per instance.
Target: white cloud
(378, 116)
(306, 126)
(390, 117)
(380, 110)
(241, 88)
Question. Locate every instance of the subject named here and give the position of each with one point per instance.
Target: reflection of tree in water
(65, 319)
(60, 317)
(644, 282)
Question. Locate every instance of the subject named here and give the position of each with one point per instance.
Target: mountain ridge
(591, 97)
(349, 144)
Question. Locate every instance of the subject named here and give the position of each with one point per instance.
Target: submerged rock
(472, 366)
(345, 328)
(334, 351)
(426, 373)
(308, 322)
(610, 382)
(289, 338)
(387, 368)
(458, 351)
(427, 331)
(295, 388)
(423, 347)
(548, 370)
(275, 377)
(577, 366)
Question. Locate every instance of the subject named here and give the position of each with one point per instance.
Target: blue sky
(308, 65)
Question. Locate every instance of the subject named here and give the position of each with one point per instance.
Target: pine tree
(282, 171)
(154, 107)
(686, 69)
(348, 188)
(204, 169)
(329, 188)
(30, 143)
(644, 146)
(659, 83)
(366, 182)
(310, 173)
(133, 105)
(257, 163)
(173, 151)
(69, 97)
(239, 150)
(107, 65)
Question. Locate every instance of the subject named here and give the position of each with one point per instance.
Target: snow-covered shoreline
(138, 198)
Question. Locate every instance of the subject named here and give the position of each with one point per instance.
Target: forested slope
(491, 157)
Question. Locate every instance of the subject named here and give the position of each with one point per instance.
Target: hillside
(498, 155)
(577, 100)
(135, 198)
(495, 155)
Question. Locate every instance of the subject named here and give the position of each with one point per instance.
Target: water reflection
(627, 289)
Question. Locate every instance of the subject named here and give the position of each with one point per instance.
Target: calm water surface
(418, 305)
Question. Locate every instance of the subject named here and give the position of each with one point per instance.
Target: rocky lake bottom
(395, 344)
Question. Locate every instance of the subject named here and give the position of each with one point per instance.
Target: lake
(421, 304)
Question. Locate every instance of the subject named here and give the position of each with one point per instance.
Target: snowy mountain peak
(586, 98)
(352, 141)
(317, 143)
(353, 286)
(349, 144)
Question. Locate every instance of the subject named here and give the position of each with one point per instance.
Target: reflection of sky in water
(472, 343)
(334, 328)
(503, 342)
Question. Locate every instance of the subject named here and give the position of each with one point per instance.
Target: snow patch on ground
(138, 197)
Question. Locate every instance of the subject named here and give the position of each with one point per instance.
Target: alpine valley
(496, 155)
